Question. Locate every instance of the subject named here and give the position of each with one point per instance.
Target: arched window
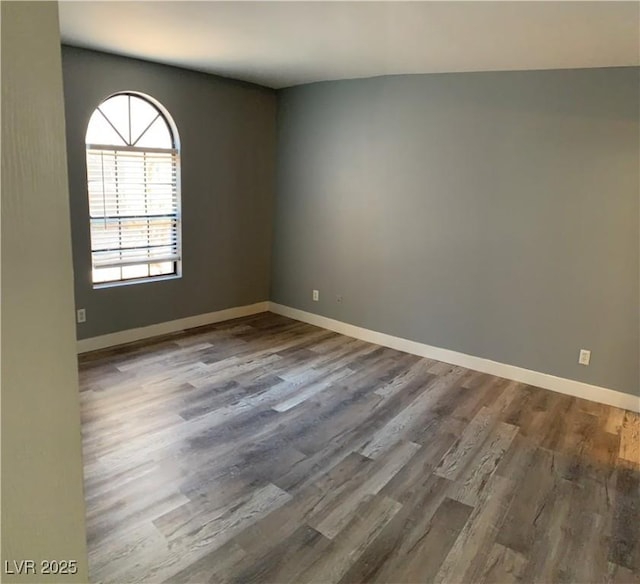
(133, 175)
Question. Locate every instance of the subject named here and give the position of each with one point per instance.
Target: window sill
(119, 283)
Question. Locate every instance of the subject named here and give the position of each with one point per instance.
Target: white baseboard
(536, 378)
(164, 328)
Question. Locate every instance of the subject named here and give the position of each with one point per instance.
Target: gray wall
(495, 214)
(42, 500)
(227, 134)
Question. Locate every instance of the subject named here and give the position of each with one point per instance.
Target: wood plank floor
(267, 450)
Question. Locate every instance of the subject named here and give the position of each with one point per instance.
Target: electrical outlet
(339, 298)
(316, 295)
(81, 315)
(585, 357)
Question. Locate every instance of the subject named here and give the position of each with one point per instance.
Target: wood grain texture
(267, 450)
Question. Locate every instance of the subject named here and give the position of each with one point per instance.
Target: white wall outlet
(81, 315)
(339, 298)
(316, 295)
(585, 357)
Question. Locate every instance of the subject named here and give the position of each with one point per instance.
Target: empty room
(320, 292)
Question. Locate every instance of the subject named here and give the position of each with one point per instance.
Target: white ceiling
(279, 44)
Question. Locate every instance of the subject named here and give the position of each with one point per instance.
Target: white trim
(164, 328)
(536, 378)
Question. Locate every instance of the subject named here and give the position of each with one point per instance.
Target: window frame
(175, 152)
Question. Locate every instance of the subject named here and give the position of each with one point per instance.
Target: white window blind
(133, 206)
(133, 168)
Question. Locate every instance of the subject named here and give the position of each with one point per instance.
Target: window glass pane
(106, 275)
(135, 271)
(157, 136)
(161, 268)
(142, 114)
(100, 132)
(116, 109)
